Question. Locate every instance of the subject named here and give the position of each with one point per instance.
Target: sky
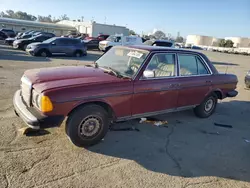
(218, 18)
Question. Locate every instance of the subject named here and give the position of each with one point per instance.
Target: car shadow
(91, 56)
(23, 57)
(188, 146)
(224, 63)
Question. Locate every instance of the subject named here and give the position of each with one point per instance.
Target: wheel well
(79, 51)
(104, 105)
(218, 94)
(43, 49)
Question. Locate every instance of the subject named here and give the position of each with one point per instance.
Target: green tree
(18, 15)
(179, 39)
(222, 43)
(131, 32)
(45, 19)
(159, 34)
(229, 44)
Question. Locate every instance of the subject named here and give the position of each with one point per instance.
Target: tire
(78, 54)
(247, 86)
(94, 117)
(107, 49)
(24, 47)
(207, 107)
(43, 53)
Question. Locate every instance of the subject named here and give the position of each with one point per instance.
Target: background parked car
(92, 43)
(9, 32)
(3, 36)
(119, 40)
(10, 41)
(58, 46)
(23, 43)
(165, 43)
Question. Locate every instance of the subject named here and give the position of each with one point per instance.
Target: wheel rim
(90, 126)
(43, 54)
(78, 54)
(209, 105)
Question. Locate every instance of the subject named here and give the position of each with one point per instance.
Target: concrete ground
(190, 152)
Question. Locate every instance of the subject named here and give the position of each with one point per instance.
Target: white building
(93, 28)
(199, 40)
(239, 42)
(23, 25)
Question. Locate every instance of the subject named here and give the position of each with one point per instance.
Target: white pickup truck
(115, 40)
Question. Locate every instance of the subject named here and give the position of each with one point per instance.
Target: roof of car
(160, 48)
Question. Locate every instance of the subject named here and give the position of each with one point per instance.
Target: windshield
(49, 40)
(125, 61)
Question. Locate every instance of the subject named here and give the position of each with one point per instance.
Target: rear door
(194, 79)
(59, 46)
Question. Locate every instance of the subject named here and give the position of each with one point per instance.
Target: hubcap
(43, 54)
(209, 105)
(78, 55)
(90, 126)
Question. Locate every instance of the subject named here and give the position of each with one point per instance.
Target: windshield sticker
(135, 54)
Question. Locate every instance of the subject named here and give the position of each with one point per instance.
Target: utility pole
(82, 18)
(105, 19)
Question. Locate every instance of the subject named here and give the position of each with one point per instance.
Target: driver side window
(163, 65)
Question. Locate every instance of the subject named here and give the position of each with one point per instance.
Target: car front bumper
(16, 46)
(32, 118)
(247, 80)
(30, 51)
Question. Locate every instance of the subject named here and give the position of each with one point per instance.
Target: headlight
(42, 102)
(248, 73)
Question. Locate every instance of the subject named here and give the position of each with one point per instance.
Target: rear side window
(191, 65)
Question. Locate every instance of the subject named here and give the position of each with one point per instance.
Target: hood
(10, 39)
(55, 77)
(105, 42)
(20, 40)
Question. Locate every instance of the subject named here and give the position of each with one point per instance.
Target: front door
(195, 80)
(158, 93)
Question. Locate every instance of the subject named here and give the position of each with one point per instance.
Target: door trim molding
(147, 114)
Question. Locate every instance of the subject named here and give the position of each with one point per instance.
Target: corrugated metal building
(23, 25)
(93, 28)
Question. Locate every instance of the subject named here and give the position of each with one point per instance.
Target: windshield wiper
(111, 70)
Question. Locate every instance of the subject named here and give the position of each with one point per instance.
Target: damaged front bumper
(32, 118)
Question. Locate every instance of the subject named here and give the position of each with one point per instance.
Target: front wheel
(87, 125)
(43, 53)
(207, 107)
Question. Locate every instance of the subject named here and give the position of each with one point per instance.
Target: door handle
(208, 81)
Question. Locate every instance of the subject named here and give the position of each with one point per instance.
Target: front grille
(26, 91)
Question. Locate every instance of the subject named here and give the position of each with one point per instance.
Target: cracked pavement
(189, 153)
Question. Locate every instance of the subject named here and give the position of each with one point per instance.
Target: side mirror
(53, 43)
(148, 74)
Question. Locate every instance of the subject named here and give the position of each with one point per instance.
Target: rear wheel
(24, 47)
(87, 125)
(207, 107)
(78, 54)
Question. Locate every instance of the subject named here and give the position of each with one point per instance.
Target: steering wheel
(134, 68)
